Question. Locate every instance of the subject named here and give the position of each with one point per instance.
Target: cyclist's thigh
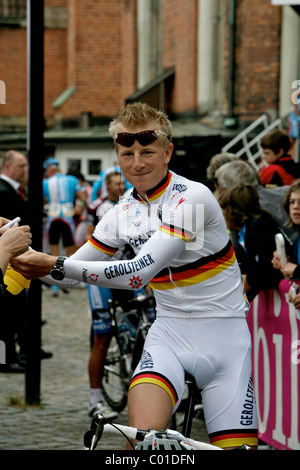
(160, 366)
(98, 297)
(228, 400)
(149, 407)
(68, 232)
(53, 231)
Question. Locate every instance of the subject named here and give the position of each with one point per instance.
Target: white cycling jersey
(182, 249)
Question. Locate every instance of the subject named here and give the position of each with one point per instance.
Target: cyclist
(98, 300)
(99, 188)
(60, 192)
(182, 248)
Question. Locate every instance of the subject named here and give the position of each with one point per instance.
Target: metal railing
(250, 149)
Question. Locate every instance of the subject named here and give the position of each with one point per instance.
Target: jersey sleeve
(187, 216)
(126, 274)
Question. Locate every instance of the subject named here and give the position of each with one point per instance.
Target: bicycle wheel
(116, 378)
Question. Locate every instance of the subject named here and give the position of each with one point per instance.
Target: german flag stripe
(192, 273)
(108, 250)
(234, 438)
(176, 232)
(156, 379)
(158, 191)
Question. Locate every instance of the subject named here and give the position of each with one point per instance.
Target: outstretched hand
(34, 264)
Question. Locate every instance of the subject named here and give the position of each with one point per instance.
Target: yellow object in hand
(15, 281)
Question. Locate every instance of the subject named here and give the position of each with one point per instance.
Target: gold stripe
(236, 442)
(168, 285)
(194, 279)
(108, 252)
(178, 235)
(155, 382)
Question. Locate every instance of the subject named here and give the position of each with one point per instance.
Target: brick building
(204, 61)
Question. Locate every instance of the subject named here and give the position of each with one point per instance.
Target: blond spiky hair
(139, 115)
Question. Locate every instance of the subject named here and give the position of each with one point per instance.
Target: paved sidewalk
(62, 419)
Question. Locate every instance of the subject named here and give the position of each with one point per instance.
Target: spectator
(60, 193)
(81, 209)
(13, 242)
(294, 123)
(256, 237)
(270, 199)
(14, 171)
(291, 203)
(216, 162)
(281, 169)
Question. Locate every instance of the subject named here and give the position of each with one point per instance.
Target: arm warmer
(155, 255)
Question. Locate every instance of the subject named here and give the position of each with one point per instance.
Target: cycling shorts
(217, 352)
(64, 228)
(98, 299)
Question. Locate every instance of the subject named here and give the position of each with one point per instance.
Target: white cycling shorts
(217, 352)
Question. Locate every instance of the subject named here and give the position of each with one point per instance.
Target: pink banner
(275, 328)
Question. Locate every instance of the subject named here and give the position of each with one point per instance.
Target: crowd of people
(199, 264)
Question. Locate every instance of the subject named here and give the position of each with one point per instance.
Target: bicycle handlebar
(100, 425)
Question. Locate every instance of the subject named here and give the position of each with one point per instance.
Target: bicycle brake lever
(94, 434)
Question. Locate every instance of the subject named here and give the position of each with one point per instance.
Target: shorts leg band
(234, 438)
(156, 379)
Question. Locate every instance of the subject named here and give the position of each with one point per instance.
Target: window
(149, 40)
(12, 9)
(94, 167)
(74, 165)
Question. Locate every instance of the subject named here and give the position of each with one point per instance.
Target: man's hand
(3, 221)
(34, 264)
(15, 240)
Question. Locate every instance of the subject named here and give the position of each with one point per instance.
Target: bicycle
(130, 324)
(150, 439)
(169, 439)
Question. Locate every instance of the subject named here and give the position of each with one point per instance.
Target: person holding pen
(14, 241)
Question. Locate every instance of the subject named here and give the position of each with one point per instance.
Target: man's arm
(155, 255)
(34, 264)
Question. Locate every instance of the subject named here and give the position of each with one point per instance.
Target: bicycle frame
(143, 326)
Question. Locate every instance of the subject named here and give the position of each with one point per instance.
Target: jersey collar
(156, 192)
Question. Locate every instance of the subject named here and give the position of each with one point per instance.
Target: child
(256, 237)
(282, 169)
(291, 203)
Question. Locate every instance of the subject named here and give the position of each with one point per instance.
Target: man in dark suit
(14, 171)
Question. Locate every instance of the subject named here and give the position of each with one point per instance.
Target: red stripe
(159, 378)
(194, 272)
(102, 246)
(159, 190)
(242, 434)
(177, 231)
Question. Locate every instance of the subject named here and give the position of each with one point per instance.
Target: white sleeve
(86, 252)
(127, 274)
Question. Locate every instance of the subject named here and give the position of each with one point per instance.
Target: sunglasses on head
(144, 138)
